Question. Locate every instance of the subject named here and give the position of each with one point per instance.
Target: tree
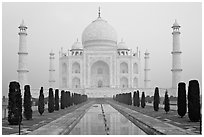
(166, 102)
(181, 100)
(156, 99)
(27, 103)
(134, 98)
(66, 101)
(41, 104)
(51, 101)
(138, 99)
(69, 99)
(56, 99)
(194, 101)
(143, 100)
(62, 99)
(14, 104)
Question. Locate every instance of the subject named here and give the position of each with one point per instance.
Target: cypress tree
(134, 98)
(194, 101)
(66, 101)
(14, 104)
(62, 99)
(41, 104)
(130, 98)
(156, 99)
(69, 98)
(166, 102)
(56, 99)
(27, 103)
(143, 100)
(181, 100)
(138, 99)
(51, 101)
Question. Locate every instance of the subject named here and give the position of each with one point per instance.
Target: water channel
(103, 119)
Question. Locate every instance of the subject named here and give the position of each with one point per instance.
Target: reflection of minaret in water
(146, 70)
(176, 56)
(22, 54)
(51, 70)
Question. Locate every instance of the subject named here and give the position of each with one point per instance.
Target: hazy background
(147, 25)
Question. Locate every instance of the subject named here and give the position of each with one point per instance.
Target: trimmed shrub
(181, 100)
(41, 104)
(27, 103)
(69, 98)
(66, 99)
(62, 99)
(134, 98)
(166, 102)
(51, 101)
(56, 99)
(156, 99)
(143, 100)
(138, 99)
(14, 104)
(194, 101)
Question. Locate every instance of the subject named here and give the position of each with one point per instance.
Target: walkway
(149, 124)
(63, 124)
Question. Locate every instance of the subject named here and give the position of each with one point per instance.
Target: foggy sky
(146, 25)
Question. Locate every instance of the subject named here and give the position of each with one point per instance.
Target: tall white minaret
(51, 71)
(22, 54)
(176, 56)
(146, 70)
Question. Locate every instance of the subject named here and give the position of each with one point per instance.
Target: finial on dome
(22, 23)
(77, 40)
(99, 12)
(121, 39)
(176, 24)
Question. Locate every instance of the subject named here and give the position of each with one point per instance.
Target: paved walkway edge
(148, 124)
(64, 124)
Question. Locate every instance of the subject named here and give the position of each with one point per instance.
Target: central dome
(99, 31)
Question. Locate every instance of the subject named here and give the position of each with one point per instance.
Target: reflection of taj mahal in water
(100, 62)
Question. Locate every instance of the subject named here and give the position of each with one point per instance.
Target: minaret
(51, 71)
(22, 54)
(176, 56)
(146, 70)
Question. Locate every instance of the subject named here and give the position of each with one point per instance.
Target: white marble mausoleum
(100, 64)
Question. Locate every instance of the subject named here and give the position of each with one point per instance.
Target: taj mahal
(100, 65)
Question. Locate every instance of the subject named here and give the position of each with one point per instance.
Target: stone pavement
(63, 124)
(147, 122)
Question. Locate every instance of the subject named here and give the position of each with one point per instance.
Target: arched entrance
(100, 75)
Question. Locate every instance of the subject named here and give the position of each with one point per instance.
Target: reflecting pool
(103, 119)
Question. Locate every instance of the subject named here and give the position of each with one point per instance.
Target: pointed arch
(135, 68)
(75, 82)
(124, 82)
(135, 82)
(75, 67)
(64, 82)
(64, 68)
(123, 67)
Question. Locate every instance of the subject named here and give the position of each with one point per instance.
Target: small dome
(99, 30)
(77, 45)
(122, 45)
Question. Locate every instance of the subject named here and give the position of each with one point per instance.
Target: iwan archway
(100, 75)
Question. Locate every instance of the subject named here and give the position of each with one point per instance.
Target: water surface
(108, 121)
